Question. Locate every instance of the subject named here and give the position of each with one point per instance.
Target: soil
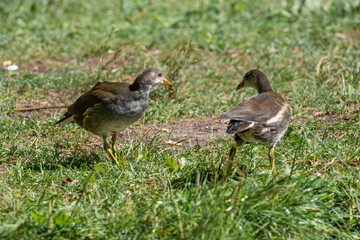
(192, 132)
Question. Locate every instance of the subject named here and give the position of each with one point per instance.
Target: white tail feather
(66, 120)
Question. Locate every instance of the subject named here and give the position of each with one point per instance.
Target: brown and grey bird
(110, 107)
(262, 118)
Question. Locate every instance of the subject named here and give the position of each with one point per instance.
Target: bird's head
(153, 76)
(255, 79)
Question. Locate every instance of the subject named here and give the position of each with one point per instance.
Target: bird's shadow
(207, 175)
(73, 160)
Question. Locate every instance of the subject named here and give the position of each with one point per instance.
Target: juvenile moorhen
(262, 118)
(110, 107)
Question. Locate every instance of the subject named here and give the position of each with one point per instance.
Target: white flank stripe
(250, 126)
(277, 117)
(68, 120)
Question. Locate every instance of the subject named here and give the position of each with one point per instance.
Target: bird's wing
(260, 108)
(102, 92)
(238, 126)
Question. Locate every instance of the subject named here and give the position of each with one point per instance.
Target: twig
(39, 108)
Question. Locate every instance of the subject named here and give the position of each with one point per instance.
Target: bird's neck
(141, 89)
(140, 86)
(263, 85)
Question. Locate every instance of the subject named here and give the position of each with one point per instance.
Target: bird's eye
(160, 75)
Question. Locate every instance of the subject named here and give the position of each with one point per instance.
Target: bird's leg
(231, 158)
(238, 142)
(109, 152)
(272, 160)
(113, 143)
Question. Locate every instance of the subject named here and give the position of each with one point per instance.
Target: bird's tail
(67, 118)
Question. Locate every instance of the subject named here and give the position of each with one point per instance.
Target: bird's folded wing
(259, 108)
(238, 126)
(102, 92)
(85, 101)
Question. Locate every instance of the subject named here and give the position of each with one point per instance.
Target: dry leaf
(165, 130)
(171, 142)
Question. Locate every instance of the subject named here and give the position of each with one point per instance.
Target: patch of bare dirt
(191, 132)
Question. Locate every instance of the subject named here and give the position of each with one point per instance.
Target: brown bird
(262, 118)
(110, 107)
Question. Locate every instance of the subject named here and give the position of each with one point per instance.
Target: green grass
(69, 43)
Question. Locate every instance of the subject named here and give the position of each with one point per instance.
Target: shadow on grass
(75, 160)
(211, 175)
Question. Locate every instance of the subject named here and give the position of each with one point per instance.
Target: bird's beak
(240, 86)
(167, 82)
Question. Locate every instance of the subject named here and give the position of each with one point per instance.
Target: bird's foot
(113, 157)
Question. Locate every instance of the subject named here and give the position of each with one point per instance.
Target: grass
(56, 181)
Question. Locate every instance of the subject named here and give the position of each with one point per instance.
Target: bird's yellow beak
(167, 82)
(240, 86)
